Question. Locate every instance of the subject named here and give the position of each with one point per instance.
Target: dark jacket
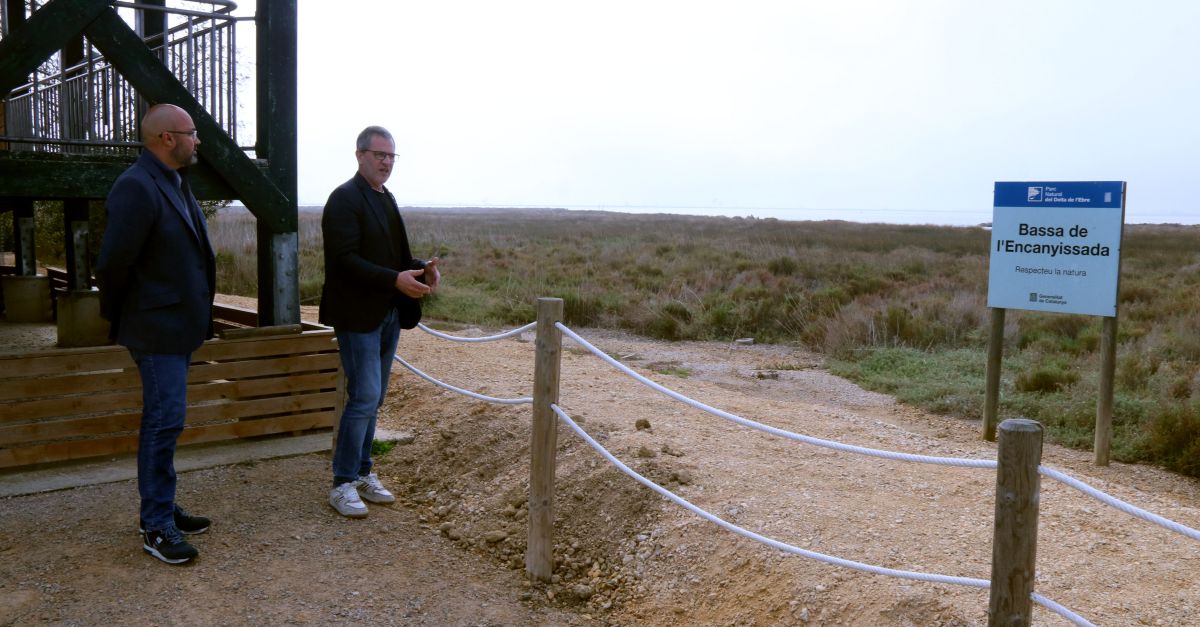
(156, 271)
(363, 258)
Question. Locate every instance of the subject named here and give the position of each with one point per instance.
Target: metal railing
(89, 108)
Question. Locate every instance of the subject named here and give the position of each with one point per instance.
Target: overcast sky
(883, 111)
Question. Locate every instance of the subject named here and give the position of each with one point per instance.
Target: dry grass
(900, 308)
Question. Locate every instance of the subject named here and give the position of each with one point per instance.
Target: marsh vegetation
(899, 309)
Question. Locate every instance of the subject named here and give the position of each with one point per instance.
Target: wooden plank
(300, 393)
(93, 358)
(69, 428)
(131, 399)
(252, 428)
(233, 313)
(74, 405)
(245, 317)
(41, 387)
(62, 451)
(227, 350)
(263, 367)
(248, 410)
(79, 449)
(64, 361)
(260, 332)
(262, 387)
(38, 387)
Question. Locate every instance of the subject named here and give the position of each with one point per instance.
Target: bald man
(156, 275)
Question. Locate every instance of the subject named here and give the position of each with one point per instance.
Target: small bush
(782, 266)
(1174, 439)
(1046, 378)
(580, 310)
(664, 327)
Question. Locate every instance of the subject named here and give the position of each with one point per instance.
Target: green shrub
(1174, 439)
(783, 266)
(1050, 377)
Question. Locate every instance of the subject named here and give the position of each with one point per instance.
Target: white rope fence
(503, 401)
(945, 461)
(789, 548)
(1118, 503)
(458, 338)
(489, 338)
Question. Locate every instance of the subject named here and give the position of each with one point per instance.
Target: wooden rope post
(1014, 543)
(543, 440)
(1104, 404)
(991, 399)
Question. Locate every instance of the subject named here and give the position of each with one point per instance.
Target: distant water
(945, 217)
(887, 216)
(942, 217)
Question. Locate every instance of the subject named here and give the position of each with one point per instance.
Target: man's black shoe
(184, 522)
(169, 546)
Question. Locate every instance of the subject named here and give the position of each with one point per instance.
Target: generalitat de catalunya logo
(1034, 194)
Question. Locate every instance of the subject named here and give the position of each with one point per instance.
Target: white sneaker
(344, 499)
(371, 489)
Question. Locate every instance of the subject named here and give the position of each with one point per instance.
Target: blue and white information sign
(1057, 246)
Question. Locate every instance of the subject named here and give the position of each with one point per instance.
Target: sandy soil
(449, 552)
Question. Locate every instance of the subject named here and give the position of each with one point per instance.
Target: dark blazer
(156, 271)
(362, 258)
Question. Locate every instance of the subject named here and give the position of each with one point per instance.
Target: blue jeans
(164, 407)
(366, 362)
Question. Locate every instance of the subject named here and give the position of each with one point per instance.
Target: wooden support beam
(75, 244)
(135, 61)
(279, 297)
(991, 398)
(23, 236)
(278, 256)
(1104, 404)
(48, 30)
(52, 176)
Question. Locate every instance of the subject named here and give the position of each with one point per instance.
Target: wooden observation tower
(76, 77)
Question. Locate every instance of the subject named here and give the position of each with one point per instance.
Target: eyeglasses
(192, 133)
(380, 155)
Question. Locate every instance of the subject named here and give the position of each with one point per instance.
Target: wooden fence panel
(63, 404)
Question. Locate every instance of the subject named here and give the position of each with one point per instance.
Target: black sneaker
(169, 546)
(184, 522)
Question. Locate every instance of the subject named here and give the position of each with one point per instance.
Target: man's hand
(408, 284)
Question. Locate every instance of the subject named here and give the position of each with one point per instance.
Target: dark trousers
(164, 408)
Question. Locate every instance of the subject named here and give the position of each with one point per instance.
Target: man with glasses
(157, 279)
(373, 287)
